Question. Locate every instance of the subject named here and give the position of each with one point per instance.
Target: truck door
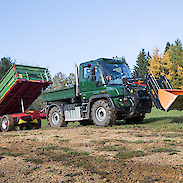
(89, 83)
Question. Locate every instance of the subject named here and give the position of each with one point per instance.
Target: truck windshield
(114, 72)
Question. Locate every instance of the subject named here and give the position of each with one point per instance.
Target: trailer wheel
(56, 118)
(7, 123)
(102, 113)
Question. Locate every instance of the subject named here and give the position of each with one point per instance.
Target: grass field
(150, 151)
(157, 120)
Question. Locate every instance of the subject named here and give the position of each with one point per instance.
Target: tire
(7, 123)
(134, 120)
(56, 118)
(102, 113)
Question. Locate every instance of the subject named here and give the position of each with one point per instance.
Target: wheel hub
(55, 118)
(101, 114)
(4, 124)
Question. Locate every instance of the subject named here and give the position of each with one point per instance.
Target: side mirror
(92, 71)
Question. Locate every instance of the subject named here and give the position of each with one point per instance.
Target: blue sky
(59, 33)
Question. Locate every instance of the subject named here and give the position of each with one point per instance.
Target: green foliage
(124, 60)
(61, 81)
(155, 63)
(169, 63)
(167, 47)
(141, 64)
(176, 58)
(5, 64)
(37, 104)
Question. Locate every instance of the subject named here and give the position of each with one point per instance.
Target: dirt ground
(90, 154)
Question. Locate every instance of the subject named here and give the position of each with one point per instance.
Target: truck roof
(103, 59)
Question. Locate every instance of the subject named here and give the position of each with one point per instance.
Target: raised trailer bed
(19, 87)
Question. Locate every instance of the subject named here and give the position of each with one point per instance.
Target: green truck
(104, 92)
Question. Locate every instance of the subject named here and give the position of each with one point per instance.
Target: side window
(86, 72)
(97, 73)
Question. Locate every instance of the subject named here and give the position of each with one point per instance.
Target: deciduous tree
(155, 63)
(169, 63)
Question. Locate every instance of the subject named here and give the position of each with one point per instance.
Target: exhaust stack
(77, 80)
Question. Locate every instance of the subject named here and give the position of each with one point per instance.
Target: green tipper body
(58, 95)
(24, 82)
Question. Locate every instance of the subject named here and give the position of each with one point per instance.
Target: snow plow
(19, 87)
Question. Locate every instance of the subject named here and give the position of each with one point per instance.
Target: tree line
(168, 63)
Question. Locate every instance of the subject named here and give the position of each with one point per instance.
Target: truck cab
(103, 79)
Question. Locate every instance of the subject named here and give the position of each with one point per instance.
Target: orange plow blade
(171, 98)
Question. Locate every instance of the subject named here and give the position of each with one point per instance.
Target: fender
(99, 96)
(48, 108)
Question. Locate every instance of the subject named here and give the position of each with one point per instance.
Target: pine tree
(167, 47)
(142, 64)
(124, 60)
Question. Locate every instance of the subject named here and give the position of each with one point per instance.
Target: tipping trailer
(19, 87)
(105, 92)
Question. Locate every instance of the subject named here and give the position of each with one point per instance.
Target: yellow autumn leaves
(169, 64)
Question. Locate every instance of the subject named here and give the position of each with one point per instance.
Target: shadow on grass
(168, 119)
(154, 120)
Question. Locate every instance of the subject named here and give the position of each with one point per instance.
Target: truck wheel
(56, 118)
(7, 123)
(102, 113)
